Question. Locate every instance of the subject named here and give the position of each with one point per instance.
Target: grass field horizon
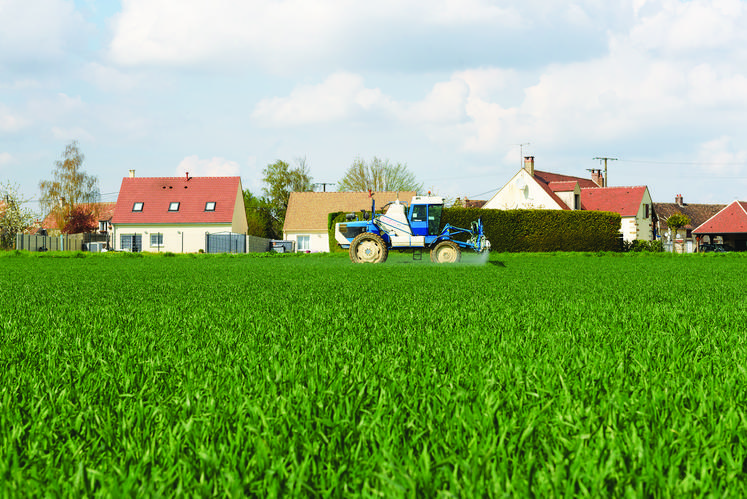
(544, 374)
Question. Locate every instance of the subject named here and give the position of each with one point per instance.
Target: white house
(539, 190)
(175, 213)
(307, 215)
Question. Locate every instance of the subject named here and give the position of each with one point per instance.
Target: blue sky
(449, 87)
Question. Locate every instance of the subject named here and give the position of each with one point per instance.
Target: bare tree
(378, 175)
(70, 185)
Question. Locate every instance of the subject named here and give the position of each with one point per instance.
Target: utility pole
(324, 185)
(606, 182)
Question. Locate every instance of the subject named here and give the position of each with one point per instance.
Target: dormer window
(174, 206)
(210, 206)
(137, 206)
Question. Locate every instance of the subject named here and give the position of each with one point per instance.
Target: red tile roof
(730, 220)
(548, 177)
(567, 186)
(156, 194)
(623, 200)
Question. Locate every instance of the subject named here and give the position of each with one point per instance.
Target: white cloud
(38, 31)
(334, 34)
(10, 122)
(110, 78)
(720, 157)
(214, 167)
(72, 133)
(680, 27)
(341, 96)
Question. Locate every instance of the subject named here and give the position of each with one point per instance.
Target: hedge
(542, 230)
(529, 230)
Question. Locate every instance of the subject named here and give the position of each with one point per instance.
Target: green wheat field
(531, 374)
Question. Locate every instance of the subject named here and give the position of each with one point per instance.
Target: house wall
(318, 240)
(239, 224)
(176, 238)
(522, 193)
(569, 197)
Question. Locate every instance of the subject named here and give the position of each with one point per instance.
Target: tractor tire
(368, 248)
(446, 252)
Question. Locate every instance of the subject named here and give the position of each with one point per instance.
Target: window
(646, 213)
(174, 206)
(210, 206)
(103, 225)
(577, 201)
(130, 242)
(156, 239)
(419, 213)
(137, 206)
(303, 243)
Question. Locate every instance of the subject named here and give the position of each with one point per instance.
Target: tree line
(71, 198)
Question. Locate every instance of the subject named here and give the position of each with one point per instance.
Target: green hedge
(542, 230)
(332, 219)
(529, 230)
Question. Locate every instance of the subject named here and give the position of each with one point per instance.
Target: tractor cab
(425, 215)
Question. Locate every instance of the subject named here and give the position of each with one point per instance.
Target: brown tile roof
(623, 200)
(473, 203)
(730, 220)
(105, 212)
(698, 213)
(309, 210)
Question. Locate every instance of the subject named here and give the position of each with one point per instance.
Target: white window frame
(300, 246)
(158, 244)
(172, 204)
(210, 206)
(137, 206)
(131, 237)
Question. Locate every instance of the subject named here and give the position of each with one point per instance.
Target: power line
(683, 163)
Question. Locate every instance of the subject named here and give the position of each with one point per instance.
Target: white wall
(318, 240)
(522, 193)
(176, 238)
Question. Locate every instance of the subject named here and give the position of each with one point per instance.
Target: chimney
(132, 173)
(597, 177)
(187, 176)
(529, 165)
(678, 200)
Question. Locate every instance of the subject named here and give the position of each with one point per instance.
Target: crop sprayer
(416, 227)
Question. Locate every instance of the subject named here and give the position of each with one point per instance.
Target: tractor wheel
(368, 248)
(446, 252)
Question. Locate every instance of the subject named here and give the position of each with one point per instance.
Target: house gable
(526, 191)
(730, 220)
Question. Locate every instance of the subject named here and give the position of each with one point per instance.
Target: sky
(458, 90)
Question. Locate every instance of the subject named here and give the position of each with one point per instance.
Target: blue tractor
(416, 227)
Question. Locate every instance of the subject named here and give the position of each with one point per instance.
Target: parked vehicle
(403, 228)
(713, 248)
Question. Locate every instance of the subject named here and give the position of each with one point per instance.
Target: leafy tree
(281, 180)
(14, 218)
(259, 217)
(675, 222)
(378, 175)
(79, 220)
(70, 185)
